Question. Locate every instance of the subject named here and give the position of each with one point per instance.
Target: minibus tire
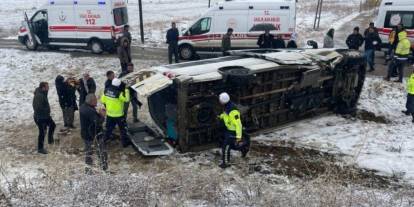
(30, 46)
(96, 46)
(186, 52)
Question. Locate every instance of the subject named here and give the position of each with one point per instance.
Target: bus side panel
(62, 22)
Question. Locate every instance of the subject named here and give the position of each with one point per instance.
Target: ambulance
(87, 24)
(394, 12)
(248, 19)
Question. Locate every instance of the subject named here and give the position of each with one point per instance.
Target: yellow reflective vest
(404, 45)
(114, 101)
(410, 84)
(233, 122)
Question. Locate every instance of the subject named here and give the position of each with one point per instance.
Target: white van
(92, 24)
(393, 12)
(248, 19)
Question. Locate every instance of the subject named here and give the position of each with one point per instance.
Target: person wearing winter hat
(234, 130)
(114, 100)
(292, 41)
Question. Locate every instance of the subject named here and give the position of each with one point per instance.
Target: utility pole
(209, 3)
(141, 22)
(318, 15)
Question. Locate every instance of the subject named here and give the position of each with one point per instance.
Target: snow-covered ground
(385, 147)
(158, 15)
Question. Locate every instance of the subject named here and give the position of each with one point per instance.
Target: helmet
(224, 98)
(116, 82)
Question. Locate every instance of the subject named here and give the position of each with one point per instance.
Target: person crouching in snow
(410, 96)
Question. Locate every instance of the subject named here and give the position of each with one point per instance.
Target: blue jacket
(172, 36)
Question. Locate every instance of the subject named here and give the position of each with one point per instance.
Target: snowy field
(380, 138)
(158, 15)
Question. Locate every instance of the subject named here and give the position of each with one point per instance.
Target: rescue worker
(114, 100)
(410, 96)
(355, 40)
(393, 41)
(87, 85)
(279, 42)
(226, 42)
(110, 75)
(372, 41)
(124, 54)
(328, 41)
(265, 40)
(401, 56)
(91, 127)
(292, 41)
(234, 130)
(172, 41)
(133, 99)
(42, 116)
(69, 103)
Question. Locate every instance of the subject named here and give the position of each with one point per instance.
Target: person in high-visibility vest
(234, 130)
(401, 56)
(114, 100)
(410, 96)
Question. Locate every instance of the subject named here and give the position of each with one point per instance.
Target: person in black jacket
(172, 41)
(60, 87)
(86, 86)
(91, 128)
(69, 103)
(355, 40)
(110, 75)
(279, 42)
(265, 40)
(42, 116)
(372, 41)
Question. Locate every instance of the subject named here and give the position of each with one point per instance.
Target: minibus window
(201, 26)
(121, 16)
(393, 18)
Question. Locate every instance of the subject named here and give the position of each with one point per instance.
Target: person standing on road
(401, 56)
(124, 54)
(279, 42)
(91, 127)
(127, 35)
(60, 89)
(42, 116)
(328, 41)
(226, 42)
(69, 102)
(234, 130)
(410, 97)
(114, 101)
(172, 41)
(110, 75)
(372, 41)
(292, 41)
(371, 26)
(355, 40)
(265, 40)
(87, 85)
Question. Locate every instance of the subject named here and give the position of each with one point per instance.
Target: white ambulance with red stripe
(394, 12)
(248, 19)
(90, 24)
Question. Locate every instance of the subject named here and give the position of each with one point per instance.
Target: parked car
(270, 87)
